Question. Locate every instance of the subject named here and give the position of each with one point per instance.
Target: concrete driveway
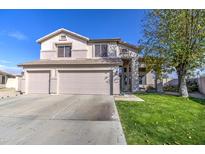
(64, 119)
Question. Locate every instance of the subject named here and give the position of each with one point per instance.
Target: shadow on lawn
(198, 100)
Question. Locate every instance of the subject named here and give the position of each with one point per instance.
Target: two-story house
(74, 64)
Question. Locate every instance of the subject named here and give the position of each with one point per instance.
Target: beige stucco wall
(90, 53)
(149, 79)
(53, 85)
(22, 85)
(116, 81)
(80, 48)
(49, 48)
(12, 83)
(48, 54)
(201, 83)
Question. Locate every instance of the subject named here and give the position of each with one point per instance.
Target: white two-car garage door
(84, 82)
(38, 82)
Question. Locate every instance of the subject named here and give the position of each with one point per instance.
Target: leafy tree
(155, 65)
(153, 50)
(180, 36)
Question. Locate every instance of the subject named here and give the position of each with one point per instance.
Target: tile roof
(117, 40)
(63, 30)
(103, 61)
(5, 73)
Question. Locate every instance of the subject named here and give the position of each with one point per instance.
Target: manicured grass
(163, 119)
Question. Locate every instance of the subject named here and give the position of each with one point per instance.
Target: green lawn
(163, 119)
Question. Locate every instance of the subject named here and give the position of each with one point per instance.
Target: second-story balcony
(125, 54)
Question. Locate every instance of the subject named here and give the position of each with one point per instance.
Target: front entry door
(126, 77)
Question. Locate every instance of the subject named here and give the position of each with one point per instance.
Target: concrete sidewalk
(128, 97)
(193, 94)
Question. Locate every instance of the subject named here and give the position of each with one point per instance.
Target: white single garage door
(38, 82)
(84, 82)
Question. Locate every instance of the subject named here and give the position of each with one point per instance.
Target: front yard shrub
(150, 89)
(171, 88)
(192, 86)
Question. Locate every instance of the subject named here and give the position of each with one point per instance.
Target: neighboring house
(4, 77)
(173, 82)
(201, 84)
(74, 64)
(147, 79)
(14, 82)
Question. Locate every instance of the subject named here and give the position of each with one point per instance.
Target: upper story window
(64, 51)
(124, 50)
(125, 53)
(101, 50)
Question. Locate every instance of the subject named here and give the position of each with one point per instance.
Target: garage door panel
(84, 82)
(38, 82)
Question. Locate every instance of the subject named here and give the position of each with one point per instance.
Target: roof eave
(104, 40)
(130, 45)
(26, 65)
(60, 31)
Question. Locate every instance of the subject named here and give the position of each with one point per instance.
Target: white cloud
(14, 34)
(17, 35)
(11, 69)
(5, 61)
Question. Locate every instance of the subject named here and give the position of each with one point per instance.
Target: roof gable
(62, 30)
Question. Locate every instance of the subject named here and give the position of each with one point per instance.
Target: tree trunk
(160, 86)
(155, 81)
(181, 72)
(183, 87)
(158, 83)
(179, 78)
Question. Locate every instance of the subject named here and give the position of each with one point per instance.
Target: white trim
(60, 31)
(79, 50)
(63, 43)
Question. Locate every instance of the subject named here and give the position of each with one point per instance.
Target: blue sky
(19, 29)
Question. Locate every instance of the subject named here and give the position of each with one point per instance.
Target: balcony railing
(125, 54)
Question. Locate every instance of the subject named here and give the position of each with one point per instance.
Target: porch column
(135, 74)
(116, 81)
